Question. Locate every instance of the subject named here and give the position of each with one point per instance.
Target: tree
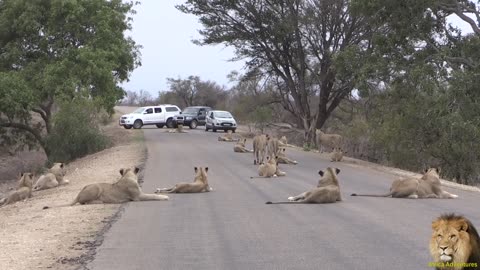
(314, 48)
(193, 91)
(54, 50)
(427, 111)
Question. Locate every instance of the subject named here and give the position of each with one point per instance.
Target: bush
(75, 131)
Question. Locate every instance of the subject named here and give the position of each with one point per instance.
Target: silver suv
(160, 116)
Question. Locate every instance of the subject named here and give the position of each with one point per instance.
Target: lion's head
(454, 239)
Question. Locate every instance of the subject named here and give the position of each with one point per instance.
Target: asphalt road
(232, 227)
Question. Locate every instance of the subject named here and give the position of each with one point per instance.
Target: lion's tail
(62, 205)
(372, 195)
(283, 202)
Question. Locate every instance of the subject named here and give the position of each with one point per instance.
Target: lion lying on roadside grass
(327, 190)
(428, 186)
(126, 189)
(23, 191)
(454, 241)
(200, 184)
(53, 178)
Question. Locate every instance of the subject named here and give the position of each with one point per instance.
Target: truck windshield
(189, 110)
(139, 110)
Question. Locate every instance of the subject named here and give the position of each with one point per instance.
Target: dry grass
(62, 237)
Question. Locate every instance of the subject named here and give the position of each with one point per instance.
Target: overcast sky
(165, 34)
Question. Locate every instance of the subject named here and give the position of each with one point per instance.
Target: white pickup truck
(160, 116)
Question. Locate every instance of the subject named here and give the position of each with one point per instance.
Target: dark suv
(192, 116)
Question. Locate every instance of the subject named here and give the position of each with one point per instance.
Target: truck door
(148, 116)
(159, 116)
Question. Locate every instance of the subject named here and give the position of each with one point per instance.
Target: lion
(455, 243)
(283, 159)
(23, 191)
(272, 146)
(178, 129)
(124, 190)
(428, 186)
(53, 178)
(327, 190)
(260, 143)
(337, 154)
(228, 137)
(268, 169)
(240, 147)
(200, 184)
(328, 140)
(283, 141)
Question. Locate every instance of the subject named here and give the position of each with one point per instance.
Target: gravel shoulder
(66, 237)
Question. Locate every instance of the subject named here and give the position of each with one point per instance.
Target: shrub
(75, 131)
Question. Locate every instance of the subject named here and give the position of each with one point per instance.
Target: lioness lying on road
(240, 147)
(200, 184)
(269, 169)
(428, 186)
(227, 137)
(282, 158)
(23, 191)
(53, 178)
(124, 190)
(327, 190)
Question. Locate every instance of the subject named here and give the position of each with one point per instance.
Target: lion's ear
(21, 174)
(195, 169)
(136, 170)
(122, 171)
(206, 169)
(337, 170)
(284, 149)
(320, 172)
(435, 225)
(61, 165)
(461, 225)
(438, 170)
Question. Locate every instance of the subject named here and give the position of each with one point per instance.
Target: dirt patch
(66, 237)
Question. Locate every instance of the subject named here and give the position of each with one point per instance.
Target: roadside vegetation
(397, 79)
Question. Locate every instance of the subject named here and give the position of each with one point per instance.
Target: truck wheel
(170, 123)
(127, 126)
(206, 128)
(233, 130)
(193, 124)
(159, 125)
(214, 129)
(137, 124)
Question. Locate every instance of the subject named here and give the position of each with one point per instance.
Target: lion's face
(450, 240)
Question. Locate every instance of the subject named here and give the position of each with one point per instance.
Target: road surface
(232, 227)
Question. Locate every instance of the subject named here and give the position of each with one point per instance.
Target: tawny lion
(23, 191)
(428, 186)
(53, 178)
(126, 189)
(327, 190)
(454, 241)
(240, 147)
(200, 184)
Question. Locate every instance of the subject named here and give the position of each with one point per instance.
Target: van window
(158, 110)
(171, 109)
(149, 111)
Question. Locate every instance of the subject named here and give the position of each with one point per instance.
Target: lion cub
(240, 147)
(327, 190)
(200, 184)
(282, 158)
(23, 192)
(337, 154)
(53, 178)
